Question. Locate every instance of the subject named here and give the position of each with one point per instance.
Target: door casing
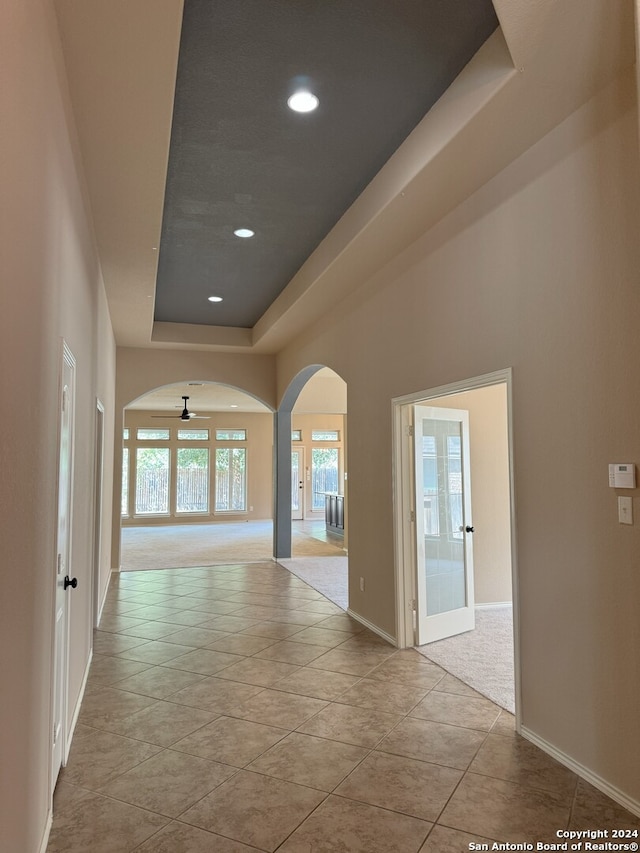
(403, 491)
(97, 512)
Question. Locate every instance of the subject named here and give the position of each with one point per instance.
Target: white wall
(536, 271)
(51, 288)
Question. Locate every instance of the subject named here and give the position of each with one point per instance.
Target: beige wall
(142, 370)
(259, 447)
(51, 288)
(536, 271)
(489, 452)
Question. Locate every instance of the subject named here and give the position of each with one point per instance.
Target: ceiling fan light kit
(186, 415)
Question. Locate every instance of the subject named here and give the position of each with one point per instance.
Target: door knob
(72, 582)
(469, 529)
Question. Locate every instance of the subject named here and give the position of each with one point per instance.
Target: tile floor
(234, 709)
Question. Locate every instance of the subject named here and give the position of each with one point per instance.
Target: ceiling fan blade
(185, 415)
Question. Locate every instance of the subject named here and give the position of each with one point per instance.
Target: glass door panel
(297, 484)
(443, 512)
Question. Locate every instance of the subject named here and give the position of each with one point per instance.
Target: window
(125, 434)
(296, 435)
(124, 495)
(193, 435)
(192, 479)
(325, 435)
(150, 434)
(445, 460)
(430, 478)
(231, 479)
(324, 473)
(454, 472)
(231, 435)
(152, 480)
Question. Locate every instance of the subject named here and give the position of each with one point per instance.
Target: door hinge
(409, 430)
(412, 516)
(412, 604)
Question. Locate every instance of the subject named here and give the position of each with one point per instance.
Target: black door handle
(72, 582)
(469, 529)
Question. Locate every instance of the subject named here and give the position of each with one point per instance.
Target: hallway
(235, 709)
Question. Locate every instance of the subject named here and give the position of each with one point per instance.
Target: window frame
(230, 430)
(163, 514)
(185, 512)
(231, 511)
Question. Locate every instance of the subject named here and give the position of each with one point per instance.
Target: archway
(182, 475)
(311, 431)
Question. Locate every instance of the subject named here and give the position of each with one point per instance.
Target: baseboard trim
(598, 782)
(372, 627)
(104, 595)
(76, 710)
(492, 604)
(47, 831)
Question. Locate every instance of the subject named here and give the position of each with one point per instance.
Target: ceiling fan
(186, 414)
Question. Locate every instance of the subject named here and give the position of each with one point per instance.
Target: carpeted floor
(190, 545)
(482, 658)
(328, 575)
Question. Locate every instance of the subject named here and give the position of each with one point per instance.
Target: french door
(443, 525)
(297, 483)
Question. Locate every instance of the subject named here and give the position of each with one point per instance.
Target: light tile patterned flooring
(234, 709)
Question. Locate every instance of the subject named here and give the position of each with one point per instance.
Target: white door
(297, 483)
(63, 549)
(445, 604)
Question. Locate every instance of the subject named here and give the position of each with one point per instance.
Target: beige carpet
(328, 575)
(189, 545)
(482, 658)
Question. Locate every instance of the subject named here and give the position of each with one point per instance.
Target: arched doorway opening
(196, 487)
(311, 522)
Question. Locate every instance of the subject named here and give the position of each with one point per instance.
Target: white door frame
(403, 504)
(97, 514)
(60, 639)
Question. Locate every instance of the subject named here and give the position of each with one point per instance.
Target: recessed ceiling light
(233, 405)
(303, 102)
(215, 299)
(244, 232)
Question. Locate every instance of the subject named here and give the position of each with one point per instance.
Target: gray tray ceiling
(239, 157)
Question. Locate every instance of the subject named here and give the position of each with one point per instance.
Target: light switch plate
(625, 510)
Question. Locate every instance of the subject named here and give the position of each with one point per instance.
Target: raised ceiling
(240, 158)
(121, 58)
